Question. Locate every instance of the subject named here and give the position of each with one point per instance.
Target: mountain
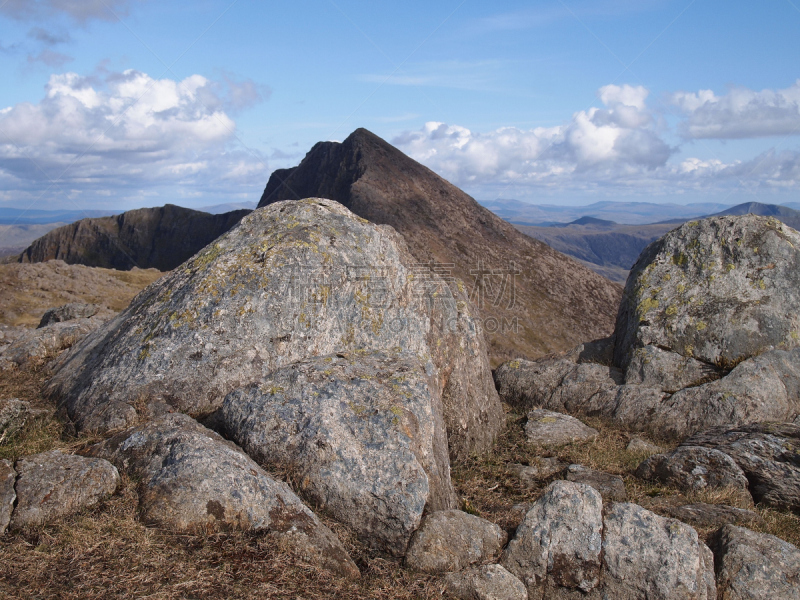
(789, 216)
(160, 238)
(218, 209)
(533, 300)
(15, 238)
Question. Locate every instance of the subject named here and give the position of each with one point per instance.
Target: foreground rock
(548, 428)
(194, 480)
(54, 484)
(363, 433)
(452, 540)
(487, 582)
(755, 566)
(767, 454)
(694, 469)
(8, 477)
(292, 280)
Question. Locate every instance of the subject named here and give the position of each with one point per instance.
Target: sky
(119, 104)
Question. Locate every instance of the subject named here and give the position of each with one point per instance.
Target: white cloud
(741, 113)
(127, 131)
(79, 10)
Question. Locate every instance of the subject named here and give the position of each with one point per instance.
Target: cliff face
(532, 299)
(160, 238)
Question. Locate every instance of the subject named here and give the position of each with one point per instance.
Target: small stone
(548, 428)
(641, 446)
(713, 515)
(451, 540)
(54, 484)
(7, 494)
(611, 487)
(68, 312)
(540, 468)
(755, 566)
(487, 582)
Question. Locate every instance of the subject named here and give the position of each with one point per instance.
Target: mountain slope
(554, 302)
(160, 238)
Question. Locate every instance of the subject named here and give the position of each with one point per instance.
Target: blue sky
(116, 104)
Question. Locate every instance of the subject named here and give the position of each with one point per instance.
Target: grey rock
(452, 540)
(694, 469)
(68, 312)
(529, 384)
(14, 413)
(599, 351)
(9, 333)
(54, 484)
(194, 480)
(517, 514)
(548, 428)
(37, 346)
(540, 468)
(755, 566)
(363, 433)
(769, 455)
(653, 367)
(796, 420)
(292, 280)
(559, 543)
(640, 446)
(487, 582)
(611, 487)
(647, 556)
(720, 290)
(8, 477)
(713, 515)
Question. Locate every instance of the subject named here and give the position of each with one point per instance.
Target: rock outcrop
(532, 299)
(292, 280)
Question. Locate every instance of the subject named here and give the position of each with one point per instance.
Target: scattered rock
(647, 556)
(7, 494)
(36, 346)
(68, 312)
(547, 428)
(292, 280)
(768, 455)
(194, 480)
(540, 468)
(487, 582)
(641, 446)
(611, 487)
(755, 566)
(653, 367)
(451, 540)
(363, 433)
(14, 413)
(694, 468)
(560, 541)
(713, 515)
(54, 484)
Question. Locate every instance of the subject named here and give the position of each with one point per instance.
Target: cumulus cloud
(126, 130)
(79, 10)
(741, 113)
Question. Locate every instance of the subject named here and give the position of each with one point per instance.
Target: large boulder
(362, 433)
(191, 479)
(54, 484)
(755, 566)
(719, 290)
(291, 281)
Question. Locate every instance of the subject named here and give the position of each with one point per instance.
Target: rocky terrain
(146, 238)
(532, 299)
(290, 414)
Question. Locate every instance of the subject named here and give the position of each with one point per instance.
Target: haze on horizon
(119, 104)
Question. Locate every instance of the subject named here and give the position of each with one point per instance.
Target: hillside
(158, 238)
(553, 302)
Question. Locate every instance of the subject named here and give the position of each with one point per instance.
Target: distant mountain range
(19, 216)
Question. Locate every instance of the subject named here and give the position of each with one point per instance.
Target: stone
(720, 290)
(529, 384)
(68, 312)
(37, 346)
(768, 455)
(517, 514)
(54, 484)
(653, 367)
(14, 413)
(486, 582)
(548, 428)
(648, 556)
(713, 515)
(8, 476)
(452, 540)
(292, 280)
(194, 480)
(560, 541)
(640, 446)
(755, 566)
(611, 487)
(539, 469)
(363, 434)
(599, 351)
(694, 469)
